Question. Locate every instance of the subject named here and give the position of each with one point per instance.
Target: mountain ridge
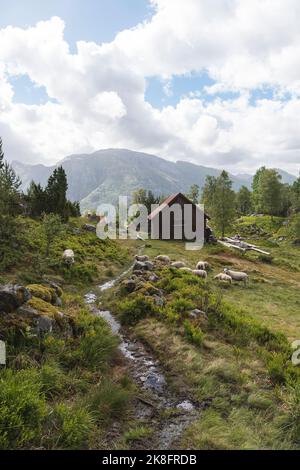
(100, 177)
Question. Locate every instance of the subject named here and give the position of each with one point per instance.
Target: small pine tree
(56, 193)
(9, 187)
(36, 198)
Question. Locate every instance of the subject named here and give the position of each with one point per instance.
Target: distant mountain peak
(100, 177)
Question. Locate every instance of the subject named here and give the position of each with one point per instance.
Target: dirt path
(158, 406)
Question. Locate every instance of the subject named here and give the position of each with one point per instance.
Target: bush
(107, 401)
(193, 333)
(291, 421)
(23, 408)
(85, 273)
(245, 329)
(181, 305)
(73, 426)
(277, 368)
(53, 379)
(96, 348)
(132, 311)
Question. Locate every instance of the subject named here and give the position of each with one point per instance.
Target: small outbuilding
(177, 220)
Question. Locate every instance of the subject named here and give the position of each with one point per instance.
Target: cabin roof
(168, 201)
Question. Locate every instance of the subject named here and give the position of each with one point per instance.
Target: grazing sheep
(223, 278)
(237, 276)
(188, 270)
(142, 258)
(69, 257)
(163, 258)
(200, 273)
(203, 265)
(178, 264)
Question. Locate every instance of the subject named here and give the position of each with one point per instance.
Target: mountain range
(102, 176)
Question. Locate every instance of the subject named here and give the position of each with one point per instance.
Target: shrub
(291, 421)
(107, 401)
(23, 408)
(245, 329)
(134, 310)
(96, 348)
(73, 426)
(277, 368)
(181, 305)
(85, 273)
(53, 379)
(193, 333)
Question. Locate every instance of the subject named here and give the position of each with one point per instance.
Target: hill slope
(104, 175)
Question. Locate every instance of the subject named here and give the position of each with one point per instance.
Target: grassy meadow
(74, 391)
(235, 362)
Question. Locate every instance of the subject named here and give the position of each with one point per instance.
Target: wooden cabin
(177, 222)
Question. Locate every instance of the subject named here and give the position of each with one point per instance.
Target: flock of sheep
(202, 269)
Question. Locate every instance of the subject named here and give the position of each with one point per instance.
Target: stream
(147, 374)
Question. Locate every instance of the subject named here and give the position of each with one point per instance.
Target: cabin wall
(177, 225)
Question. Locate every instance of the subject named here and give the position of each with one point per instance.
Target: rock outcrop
(12, 297)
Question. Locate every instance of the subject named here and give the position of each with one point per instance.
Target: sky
(214, 82)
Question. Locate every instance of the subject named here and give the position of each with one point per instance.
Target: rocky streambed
(158, 406)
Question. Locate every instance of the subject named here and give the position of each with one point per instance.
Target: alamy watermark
(175, 222)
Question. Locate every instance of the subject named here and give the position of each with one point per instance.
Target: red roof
(167, 202)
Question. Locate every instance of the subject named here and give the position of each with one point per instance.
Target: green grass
(238, 359)
(95, 259)
(58, 390)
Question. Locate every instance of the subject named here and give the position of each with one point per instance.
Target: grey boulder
(12, 297)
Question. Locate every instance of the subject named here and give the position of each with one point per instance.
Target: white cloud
(99, 92)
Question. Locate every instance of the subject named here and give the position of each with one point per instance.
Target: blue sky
(86, 20)
(100, 21)
(251, 49)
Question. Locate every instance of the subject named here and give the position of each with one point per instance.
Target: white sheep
(200, 273)
(142, 258)
(202, 265)
(178, 264)
(188, 270)
(237, 276)
(69, 257)
(223, 278)
(163, 258)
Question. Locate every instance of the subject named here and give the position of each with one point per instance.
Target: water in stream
(147, 373)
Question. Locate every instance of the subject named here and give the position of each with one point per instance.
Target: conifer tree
(56, 193)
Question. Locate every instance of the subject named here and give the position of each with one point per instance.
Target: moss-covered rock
(146, 288)
(39, 291)
(43, 307)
